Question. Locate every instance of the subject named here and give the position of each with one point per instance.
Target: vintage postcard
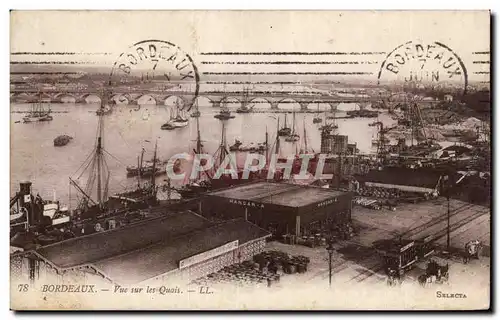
(250, 160)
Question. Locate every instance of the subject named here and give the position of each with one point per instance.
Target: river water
(130, 128)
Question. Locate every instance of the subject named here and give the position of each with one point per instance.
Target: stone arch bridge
(273, 99)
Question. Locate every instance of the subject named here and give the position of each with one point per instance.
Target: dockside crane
(381, 145)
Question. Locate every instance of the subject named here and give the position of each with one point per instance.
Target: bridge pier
(303, 105)
(334, 105)
(363, 105)
(216, 103)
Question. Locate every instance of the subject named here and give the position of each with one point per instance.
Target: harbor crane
(382, 140)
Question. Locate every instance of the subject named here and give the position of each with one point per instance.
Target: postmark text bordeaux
(155, 66)
(430, 63)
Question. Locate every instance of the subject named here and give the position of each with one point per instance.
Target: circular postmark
(429, 65)
(155, 70)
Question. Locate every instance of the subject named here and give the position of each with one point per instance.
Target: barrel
(270, 281)
(301, 268)
(279, 269)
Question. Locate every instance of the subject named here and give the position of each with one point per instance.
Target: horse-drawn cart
(472, 250)
(435, 273)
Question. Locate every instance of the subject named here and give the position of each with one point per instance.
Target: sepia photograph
(250, 160)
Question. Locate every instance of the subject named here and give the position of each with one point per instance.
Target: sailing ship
(329, 126)
(317, 119)
(38, 114)
(146, 168)
(251, 147)
(177, 121)
(293, 137)
(95, 204)
(198, 185)
(224, 113)
(285, 130)
(244, 104)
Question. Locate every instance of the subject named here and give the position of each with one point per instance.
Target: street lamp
(448, 187)
(330, 249)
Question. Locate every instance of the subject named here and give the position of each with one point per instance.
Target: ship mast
(198, 137)
(198, 145)
(305, 136)
(96, 163)
(153, 176)
(99, 159)
(278, 137)
(222, 148)
(267, 146)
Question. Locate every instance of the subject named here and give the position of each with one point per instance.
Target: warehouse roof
(162, 257)
(146, 250)
(290, 195)
(98, 246)
(422, 177)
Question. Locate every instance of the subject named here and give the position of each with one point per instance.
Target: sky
(97, 38)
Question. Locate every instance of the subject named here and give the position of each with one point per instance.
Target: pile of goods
(343, 231)
(279, 262)
(312, 241)
(266, 268)
(383, 193)
(367, 203)
(390, 194)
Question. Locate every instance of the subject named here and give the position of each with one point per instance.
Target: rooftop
(290, 195)
(102, 245)
(149, 249)
(162, 257)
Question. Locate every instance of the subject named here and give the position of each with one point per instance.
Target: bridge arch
(65, 98)
(169, 101)
(89, 98)
(146, 99)
(203, 102)
(288, 104)
(44, 97)
(228, 101)
(318, 105)
(349, 106)
(260, 103)
(121, 98)
(22, 97)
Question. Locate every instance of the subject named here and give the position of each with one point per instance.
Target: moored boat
(293, 136)
(285, 130)
(317, 119)
(38, 114)
(224, 115)
(62, 140)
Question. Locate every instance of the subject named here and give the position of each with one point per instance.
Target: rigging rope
(115, 158)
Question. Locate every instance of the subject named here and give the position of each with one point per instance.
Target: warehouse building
(279, 207)
(181, 247)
